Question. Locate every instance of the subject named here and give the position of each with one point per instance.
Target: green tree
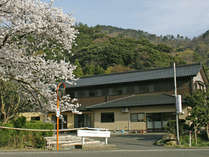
(199, 114)
(98, 70)
(78, 72)
(108, 46)
(89, 70)
(164, 48)
(117, 68)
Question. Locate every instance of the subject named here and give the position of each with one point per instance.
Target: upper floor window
(117, 91)
(92, 93)
(130, 89)
(143, 88)
(82, 93)
(104, 92)
(72, 94)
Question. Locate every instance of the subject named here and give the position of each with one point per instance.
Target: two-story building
(135, 100)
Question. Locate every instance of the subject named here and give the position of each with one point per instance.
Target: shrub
(37, 138)
(183, 127)
(6, 135)
(19, 122)
(19, 139)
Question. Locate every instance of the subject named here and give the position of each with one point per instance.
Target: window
(92, 93)
(72, 94)
(137, 117)
(117, 91)
(107, 117)
(35, 118)
(81, 93)
(62, 121)
(130, 89)
(143, 89)
(151, 88)
(98, 92)
(104, 92)
(110, 91)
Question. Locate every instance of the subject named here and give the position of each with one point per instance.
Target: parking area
(135, 141)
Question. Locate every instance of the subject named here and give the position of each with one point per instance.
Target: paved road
(115, 153)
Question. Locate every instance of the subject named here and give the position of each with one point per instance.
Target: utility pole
(177, 114)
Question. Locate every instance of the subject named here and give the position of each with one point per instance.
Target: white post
(190, 138)
(83, 140)
(129, 122)
(106, 140)
(177, 115)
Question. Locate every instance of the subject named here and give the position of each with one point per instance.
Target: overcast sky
(186, 17)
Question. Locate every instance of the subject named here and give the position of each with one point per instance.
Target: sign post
(57, 114)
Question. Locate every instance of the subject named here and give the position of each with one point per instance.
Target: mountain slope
(106, 49)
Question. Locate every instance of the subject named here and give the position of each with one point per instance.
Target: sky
(162, 17)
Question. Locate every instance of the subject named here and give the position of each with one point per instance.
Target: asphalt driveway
(135, 141)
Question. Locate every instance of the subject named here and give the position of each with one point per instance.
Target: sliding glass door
(158, 121)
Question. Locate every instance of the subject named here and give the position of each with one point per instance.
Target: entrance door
(83, 120)
(158, 121)
(62, 122)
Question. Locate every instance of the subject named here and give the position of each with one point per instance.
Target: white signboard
(93, 133)
(178, 104)
(58, 112)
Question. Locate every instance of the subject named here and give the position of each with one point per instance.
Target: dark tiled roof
(133, 76)
(136, 101)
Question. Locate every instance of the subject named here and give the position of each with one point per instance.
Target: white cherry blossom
(28, 27)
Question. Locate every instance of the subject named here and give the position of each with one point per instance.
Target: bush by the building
(22, 139)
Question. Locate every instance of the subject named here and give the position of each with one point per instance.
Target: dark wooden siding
(98, 94)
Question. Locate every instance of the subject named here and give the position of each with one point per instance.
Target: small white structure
(93, 132)
(178, 104)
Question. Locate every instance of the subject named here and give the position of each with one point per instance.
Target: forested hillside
(107, 49)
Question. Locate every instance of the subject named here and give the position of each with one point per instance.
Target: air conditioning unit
(125, 110)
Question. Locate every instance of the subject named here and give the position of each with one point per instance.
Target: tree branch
(4, 41)
(4, 3)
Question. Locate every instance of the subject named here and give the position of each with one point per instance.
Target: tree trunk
(207, 130)
(3, 112)
(195, 135)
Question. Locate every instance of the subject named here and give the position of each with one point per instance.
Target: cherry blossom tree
(29, 29)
